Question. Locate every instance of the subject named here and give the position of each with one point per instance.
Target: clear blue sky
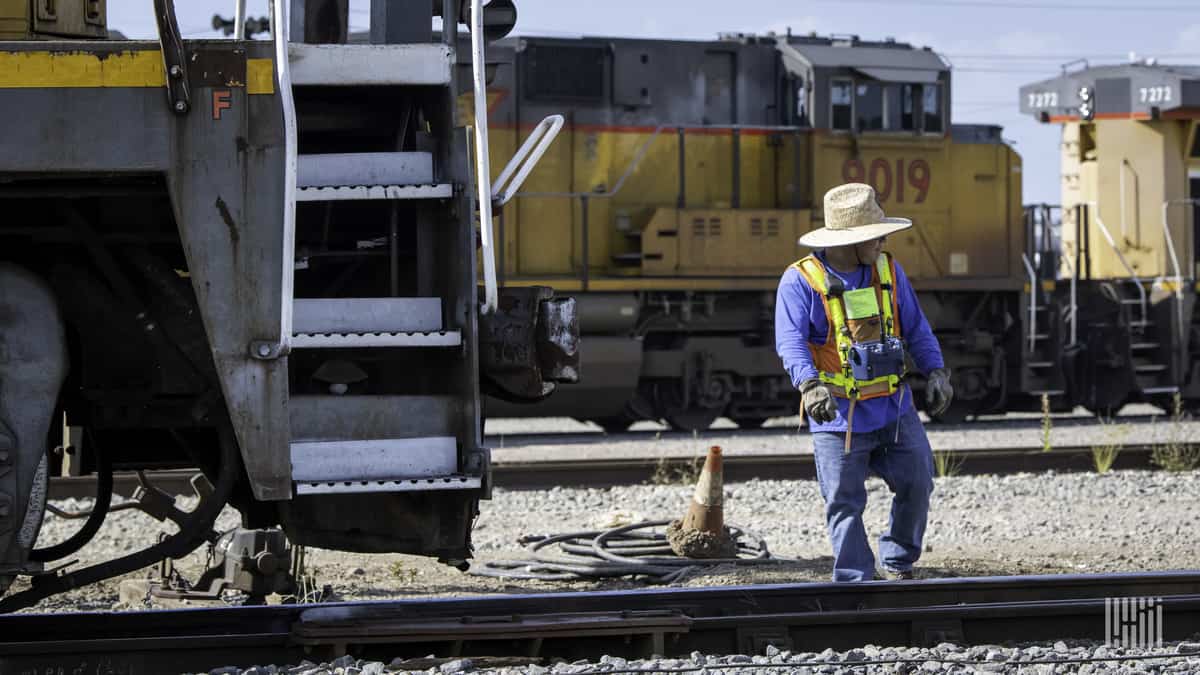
(995, 45)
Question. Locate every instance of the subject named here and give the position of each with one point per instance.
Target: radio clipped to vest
(871, 360)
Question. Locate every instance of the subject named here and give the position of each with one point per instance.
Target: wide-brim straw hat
(852, 216)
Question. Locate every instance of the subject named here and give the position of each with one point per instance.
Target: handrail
(526, 158)
(239, 19)
(482, 164)
(283, 78)
(645, 148)
(1032, 300)
(1175, 260)
(1124, 263)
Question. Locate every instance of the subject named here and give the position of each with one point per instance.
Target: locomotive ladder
(328, 451)
(329, 457)
(1149, 352)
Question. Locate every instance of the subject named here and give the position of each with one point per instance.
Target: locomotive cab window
(868, 106)
(907, 107)
(931, 109)
(842, 104)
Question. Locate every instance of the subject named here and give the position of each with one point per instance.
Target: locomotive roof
(1122, 91)
(855, 53)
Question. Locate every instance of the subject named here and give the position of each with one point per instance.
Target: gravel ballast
(979, 525)
(1045, 658)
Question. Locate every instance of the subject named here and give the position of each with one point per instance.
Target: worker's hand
(938, 392)
(818, 402)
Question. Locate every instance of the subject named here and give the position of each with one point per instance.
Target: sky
(995, 46)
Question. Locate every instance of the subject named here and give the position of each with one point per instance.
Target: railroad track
(630, 471)
(631, 624)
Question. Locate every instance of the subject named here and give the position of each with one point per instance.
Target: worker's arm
(793, 303)
(918, 336)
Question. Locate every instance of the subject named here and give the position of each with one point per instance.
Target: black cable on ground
(628, 550)
(191, 534)
(104, 492)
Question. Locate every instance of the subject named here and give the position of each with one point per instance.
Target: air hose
(629, 550)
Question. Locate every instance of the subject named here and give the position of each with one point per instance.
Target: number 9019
(879, 175)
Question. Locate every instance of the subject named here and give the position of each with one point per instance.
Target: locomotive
(1118, 261)
(688, 169)
(674, 198)
(255, 257)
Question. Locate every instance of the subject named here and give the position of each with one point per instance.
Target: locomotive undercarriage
(690, 358)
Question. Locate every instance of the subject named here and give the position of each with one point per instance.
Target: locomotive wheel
(749, 422)
(614, 424)
(692, 419)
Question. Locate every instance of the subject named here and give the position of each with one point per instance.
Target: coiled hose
(629, 550)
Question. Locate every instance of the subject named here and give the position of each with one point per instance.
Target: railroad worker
(840, 314)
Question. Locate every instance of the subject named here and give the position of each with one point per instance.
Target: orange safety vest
(855, 316)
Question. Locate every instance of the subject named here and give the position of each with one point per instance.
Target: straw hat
(852, 216)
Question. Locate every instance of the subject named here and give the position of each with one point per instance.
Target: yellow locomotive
(1130, 233)
(672, 202)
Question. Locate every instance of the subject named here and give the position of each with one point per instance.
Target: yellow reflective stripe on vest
(883, 267)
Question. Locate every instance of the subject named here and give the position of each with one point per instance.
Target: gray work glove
(938, 392)
(817, 401)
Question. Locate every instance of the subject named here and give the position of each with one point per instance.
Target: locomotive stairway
(343, 441)
(1042, 344)
(1150, 340)
(427, 437)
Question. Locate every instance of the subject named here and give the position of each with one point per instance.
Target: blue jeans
(905, 462)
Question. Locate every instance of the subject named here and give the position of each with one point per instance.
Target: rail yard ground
(980, 525)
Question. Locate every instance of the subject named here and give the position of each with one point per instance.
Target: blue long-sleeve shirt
(800, 319)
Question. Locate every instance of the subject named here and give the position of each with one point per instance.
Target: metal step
(431, 484)
(1047, 392)
(1149, 368)
(365, 193)
(364, 169)
(1142, 346)
(1040, 364)
(370, 65)
(1160, 390)
(446, 338)
(381, 465)
(366, 315)
(1041, 336)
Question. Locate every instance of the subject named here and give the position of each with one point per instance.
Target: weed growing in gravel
(1046, 424)
(403, 572)
(1177, 454)
(308, 589)
(1105, 454)
(687, 474)
(948, 463)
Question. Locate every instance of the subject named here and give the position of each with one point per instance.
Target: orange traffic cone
(706, 512)
(702, 532)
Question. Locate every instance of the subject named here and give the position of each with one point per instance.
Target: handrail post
(239, 19)
(283, 83)
(482, 164)
(583, 222)
(1032, 300)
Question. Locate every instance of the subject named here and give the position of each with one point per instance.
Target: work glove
(938, 392)
(817, 401)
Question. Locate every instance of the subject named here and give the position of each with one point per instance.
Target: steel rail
(632, 624)
(633, 470)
